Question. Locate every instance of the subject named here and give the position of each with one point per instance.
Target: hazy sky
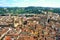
(25, 3)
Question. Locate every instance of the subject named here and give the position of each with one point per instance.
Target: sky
(26, 3)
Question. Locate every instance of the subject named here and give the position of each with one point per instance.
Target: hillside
(31, 9)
